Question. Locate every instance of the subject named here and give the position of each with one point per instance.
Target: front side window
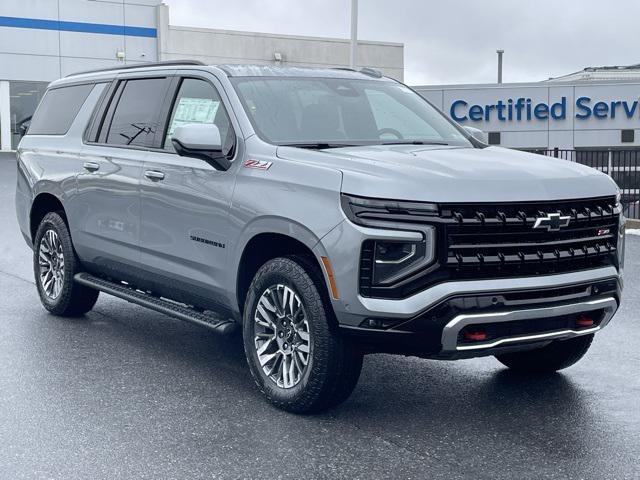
(135, 120)
(198, 101)
(338, 111)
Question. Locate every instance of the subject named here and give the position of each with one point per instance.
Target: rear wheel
(296, 356)
(54, 264)
(555, 356)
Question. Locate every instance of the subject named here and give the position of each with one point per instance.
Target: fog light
(584, 321)
(475, 335)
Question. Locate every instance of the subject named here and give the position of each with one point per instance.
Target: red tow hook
(583, 321)
(475, 335)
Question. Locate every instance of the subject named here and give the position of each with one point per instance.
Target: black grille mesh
(478, 241)
(500, 239)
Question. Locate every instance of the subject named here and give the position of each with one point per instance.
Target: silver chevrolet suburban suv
(325, 213)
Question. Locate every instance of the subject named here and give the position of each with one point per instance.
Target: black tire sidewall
(558, 355)
(272, 273)
(54, 221)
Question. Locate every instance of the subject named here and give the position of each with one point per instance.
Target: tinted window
(135, 120)
(58, 109)
(198, 102)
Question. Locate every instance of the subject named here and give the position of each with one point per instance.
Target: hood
(455, 174)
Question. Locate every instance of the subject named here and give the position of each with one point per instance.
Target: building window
(494, 138)
(25, 97)
(627, 136)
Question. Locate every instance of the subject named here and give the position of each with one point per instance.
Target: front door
(185, 203)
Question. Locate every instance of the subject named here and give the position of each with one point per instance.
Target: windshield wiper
(317, 146)
(413, 142)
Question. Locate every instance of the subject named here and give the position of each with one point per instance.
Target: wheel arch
(281, 238)
(42, 204)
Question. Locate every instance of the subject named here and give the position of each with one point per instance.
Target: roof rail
(166, 63)
(370, 72)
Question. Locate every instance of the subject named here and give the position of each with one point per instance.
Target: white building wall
(43, 40)
(45, 54)
(224, 46)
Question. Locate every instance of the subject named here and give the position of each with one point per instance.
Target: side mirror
(200, 140)
(23, 126)
(477, 134)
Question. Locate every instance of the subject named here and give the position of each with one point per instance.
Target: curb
(632, 223)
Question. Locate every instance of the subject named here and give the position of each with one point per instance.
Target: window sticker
(194, 110)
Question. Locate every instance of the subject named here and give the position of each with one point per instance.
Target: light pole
(354, 34)
(499, 52)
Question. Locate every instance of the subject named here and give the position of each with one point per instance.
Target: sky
(451, 41)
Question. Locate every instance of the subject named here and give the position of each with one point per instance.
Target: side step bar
(209, 320)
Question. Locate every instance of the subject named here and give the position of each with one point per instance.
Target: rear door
(117, 143)
(185, 201)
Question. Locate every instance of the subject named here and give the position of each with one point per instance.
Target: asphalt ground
(129, 393)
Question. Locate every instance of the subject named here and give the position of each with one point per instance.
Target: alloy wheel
(51, 262)
(281, 336)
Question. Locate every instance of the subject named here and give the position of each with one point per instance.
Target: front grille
(487, 240)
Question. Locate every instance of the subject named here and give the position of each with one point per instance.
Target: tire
(58, 292)
(553, 357)
(333, 364)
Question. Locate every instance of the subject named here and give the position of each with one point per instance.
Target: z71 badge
(259, 164)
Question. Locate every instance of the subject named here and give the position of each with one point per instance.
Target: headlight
(393, 260)
(385, 262)
(372, 211)
(619, 199)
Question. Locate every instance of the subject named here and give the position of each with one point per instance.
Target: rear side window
(58, 109)
(135, 120)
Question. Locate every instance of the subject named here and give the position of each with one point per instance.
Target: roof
(610, 72)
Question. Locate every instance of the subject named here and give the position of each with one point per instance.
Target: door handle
(91, 166)
(154, 175)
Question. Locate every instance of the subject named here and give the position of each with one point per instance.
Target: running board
(177, 310)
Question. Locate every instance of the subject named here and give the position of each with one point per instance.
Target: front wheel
(555, 356)
(54, 264)
(296, 356)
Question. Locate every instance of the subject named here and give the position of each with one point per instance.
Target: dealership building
(596, 108)
(43, 40)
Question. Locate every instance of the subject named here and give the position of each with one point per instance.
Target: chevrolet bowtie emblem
(552, 222)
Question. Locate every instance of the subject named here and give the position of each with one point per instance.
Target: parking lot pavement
(130, 393)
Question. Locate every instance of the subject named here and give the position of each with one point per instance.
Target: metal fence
(623, 166)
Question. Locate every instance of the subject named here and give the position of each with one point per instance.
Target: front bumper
(423, 323)
(514, 320)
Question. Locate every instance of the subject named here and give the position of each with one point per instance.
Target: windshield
(332, 112)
